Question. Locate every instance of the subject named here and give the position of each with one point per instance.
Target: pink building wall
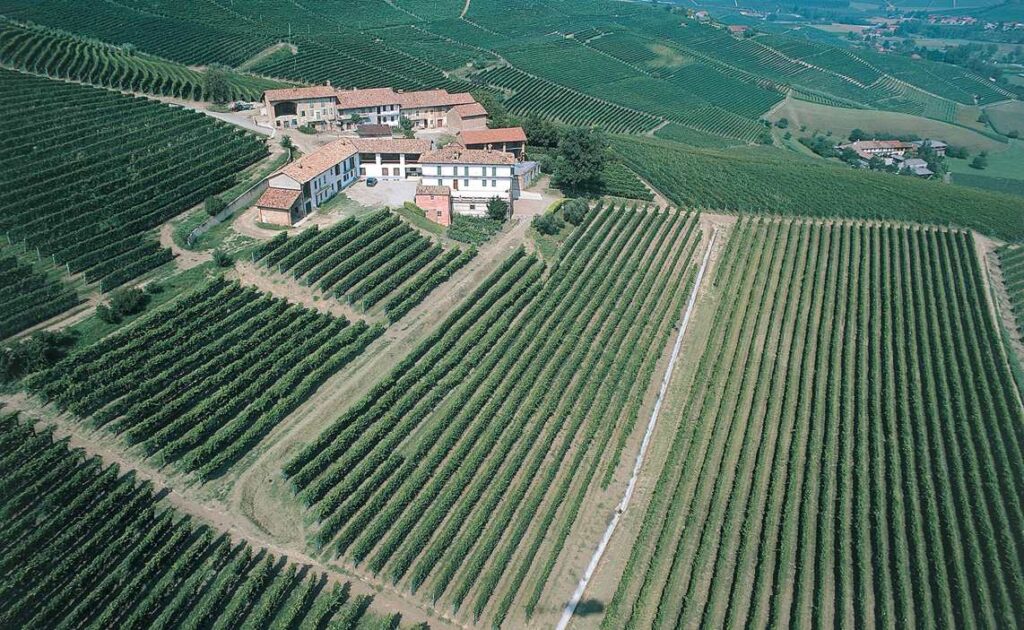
(438, 208)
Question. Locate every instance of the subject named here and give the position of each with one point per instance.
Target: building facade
(325, 106)
(472, 176)
(436, 202)
(295, 107)
(304, 185)
(506, 139)
(387, 158)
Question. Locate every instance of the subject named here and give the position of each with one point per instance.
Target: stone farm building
(324, 107)
(508, 139)
(300, 187)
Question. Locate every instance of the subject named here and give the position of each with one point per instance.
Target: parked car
(241, 106)
(371, 181)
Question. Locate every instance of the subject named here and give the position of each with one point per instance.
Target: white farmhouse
(300, 187)
(473, 176)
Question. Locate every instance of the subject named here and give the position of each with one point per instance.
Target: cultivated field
(460, 476)
(201, 383)
(848, 449)
(124, 157)
(100, 552)
(366, 262)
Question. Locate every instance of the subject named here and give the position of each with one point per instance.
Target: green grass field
(840, 121)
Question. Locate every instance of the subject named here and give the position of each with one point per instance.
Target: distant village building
(507, 139)
(738, 29)
(325, 106)
(472, 176)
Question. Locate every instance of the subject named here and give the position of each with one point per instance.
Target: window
(472, 206)
(465, 182)
(438, 214)
(494, 183)
(494, 171)
(483, 183)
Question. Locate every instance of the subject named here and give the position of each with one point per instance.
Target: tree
(497, 113)
(497, 209)
(286, 142)
(574, 211)
(217, 83)
(782, 123)
(980, 161)
(540, 132)
(355, 119)
(128, 301)
(222, 259)
(857, 135)
(39, 351)
(548, 224)
(406, 126)
(214, 205)
(581, 158)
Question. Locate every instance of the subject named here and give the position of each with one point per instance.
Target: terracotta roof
(470, 110)
(389, 145)
(492, 136)
(434, 98)
(457, 154)
(867, 145)
(433, 190)
(289, 94)
(373, 131)
(309, 166)
(278, 198)
(372, 97)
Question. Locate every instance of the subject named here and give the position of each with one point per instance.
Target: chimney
(328, 83)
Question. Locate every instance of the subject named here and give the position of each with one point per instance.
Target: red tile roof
(492, 136)
(291, 94)
(457, 154)
(309, 166)
(434, 98)
(389, 145)
(433, 190)
(372, 97)
(471, 110)
(278, 198)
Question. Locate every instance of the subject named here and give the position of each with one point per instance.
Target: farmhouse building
(508, 139)
(387, 158)
(300, 187)
(294, 107)
(429, 109)
(868, 149)
(436, 202)
(467, 116)
(323, 106)
(473, 176)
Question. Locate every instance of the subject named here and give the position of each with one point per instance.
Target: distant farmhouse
(455, 178)
(896, 152)
(326, 107)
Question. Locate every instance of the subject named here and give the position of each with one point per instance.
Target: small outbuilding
(436, 202)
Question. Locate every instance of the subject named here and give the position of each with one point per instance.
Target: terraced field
(848, 450)
(461, 475)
